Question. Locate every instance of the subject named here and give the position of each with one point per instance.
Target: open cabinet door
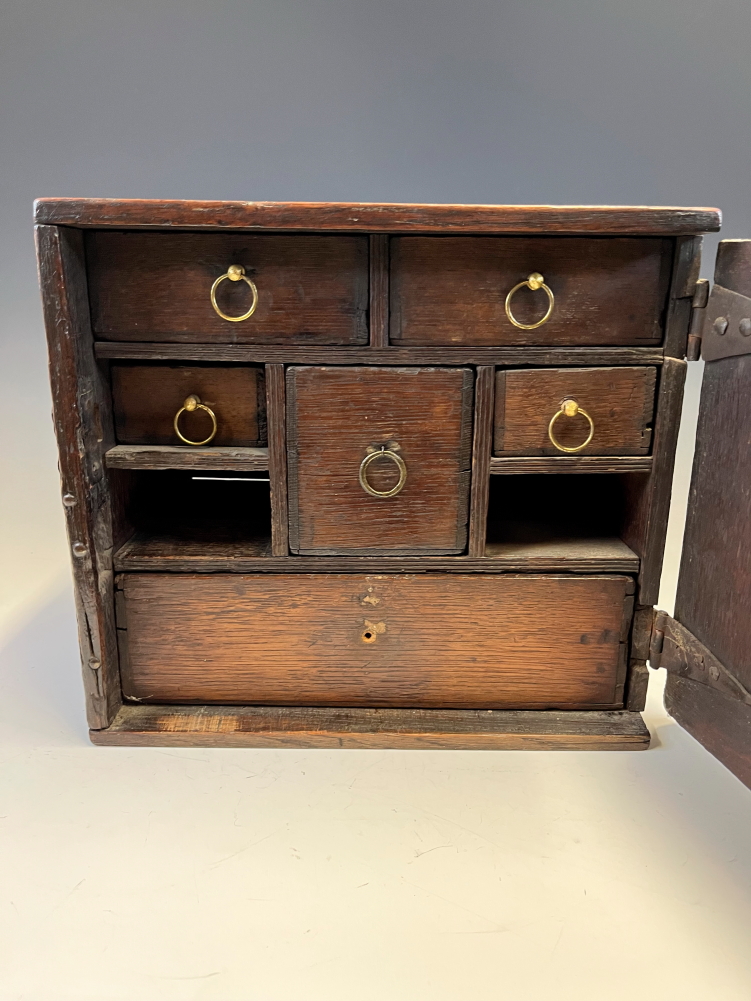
(706, 648)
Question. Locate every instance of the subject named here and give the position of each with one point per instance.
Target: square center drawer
(224, 404)
(228, 287)
(574, 411)
(379, 459)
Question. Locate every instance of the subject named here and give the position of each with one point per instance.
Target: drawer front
(613, 405)
(147, 398)
(157, 287)
(427, 640)
(452, 290)
(339, 419)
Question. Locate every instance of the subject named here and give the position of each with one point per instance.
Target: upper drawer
(157, 287)
(453, 290)
(147, 398)
(611, 412)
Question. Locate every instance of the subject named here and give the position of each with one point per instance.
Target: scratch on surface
(428, 850)
(221, 861)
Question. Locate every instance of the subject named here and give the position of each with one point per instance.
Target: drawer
(614, 405)
(424, 640)
(452, 290)
(345, 495)
(147, 398)
(157, 287)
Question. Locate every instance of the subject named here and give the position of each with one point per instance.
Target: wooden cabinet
(434, 509)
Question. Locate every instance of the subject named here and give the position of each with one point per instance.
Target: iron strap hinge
(698, 312)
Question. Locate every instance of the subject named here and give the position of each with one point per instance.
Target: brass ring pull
(235, 273)
(193, 403)
(383, 453)
(570, 408)
(534, 282)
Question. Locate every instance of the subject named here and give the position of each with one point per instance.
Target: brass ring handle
(193, 403)
(383, 453)
(235, 273)
(534, 282)
(570, 408)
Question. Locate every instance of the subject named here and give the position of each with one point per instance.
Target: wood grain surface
(334, 415)
(145, 399)
(714, 589)
(172, 457)
(380, 217)
(648, 496)
(297, 355)
(418, 729)
(277, 423)
(452, 290)
(482, 443)
(155, 286)
(163, 551)
(583, 464)
(84, 432)
(620, 402)
(428, 640)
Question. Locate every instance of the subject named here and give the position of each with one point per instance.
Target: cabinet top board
(566, 220)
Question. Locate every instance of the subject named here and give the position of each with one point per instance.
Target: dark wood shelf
(299, 354)
(171, 553)
(185, 457)
(535, 464)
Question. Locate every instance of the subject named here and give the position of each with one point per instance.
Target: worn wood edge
(277, 459)
(127, 559)
(518, 357)
(482, 446)
(175, 457)
(682, 654)
(240, 726)
(719, 723)
(379, 291)
(660, 486)
(377, 216)
(685, 274)
(83, 428)
(518, 465)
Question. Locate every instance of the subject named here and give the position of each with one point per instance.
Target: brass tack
(79, 549)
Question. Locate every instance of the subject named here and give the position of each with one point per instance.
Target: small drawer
(426, 640)
(308, 289)
(597, 291)
(379, 459)
(574, 411)
(147, 398)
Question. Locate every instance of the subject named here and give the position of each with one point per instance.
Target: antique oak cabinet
(364, 475)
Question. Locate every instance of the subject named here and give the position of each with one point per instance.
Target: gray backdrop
(578, 101)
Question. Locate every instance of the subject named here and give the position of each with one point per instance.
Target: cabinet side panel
(648, 494)
(81, 415)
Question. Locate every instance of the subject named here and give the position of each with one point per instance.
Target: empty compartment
(176, 514)
(576, 518)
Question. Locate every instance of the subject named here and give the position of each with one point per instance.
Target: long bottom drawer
(421, 640)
